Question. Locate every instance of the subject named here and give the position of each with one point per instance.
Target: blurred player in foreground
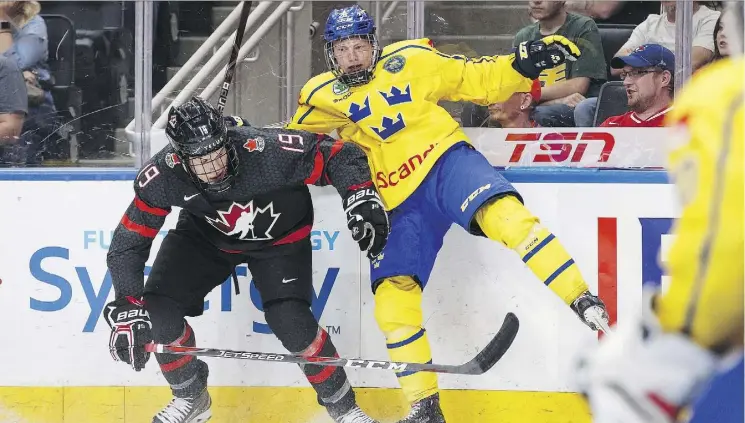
(689, 340)
(244, 199)
(428, 173)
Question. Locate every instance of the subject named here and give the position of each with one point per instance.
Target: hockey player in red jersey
(244, 199)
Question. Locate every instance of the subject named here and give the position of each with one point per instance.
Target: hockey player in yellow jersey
(429, 175)
(681, 360)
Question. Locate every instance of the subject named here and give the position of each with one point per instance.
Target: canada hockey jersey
(268, 203)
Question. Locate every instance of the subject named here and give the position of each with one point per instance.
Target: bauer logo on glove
(367, 220)
(130, 331)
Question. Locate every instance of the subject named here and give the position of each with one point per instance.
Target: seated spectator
(13, 108)
(647, 74)
(567, 85)
(23, 39)
(517, 111)
(614, 11)
(660, 29)
(721, 48)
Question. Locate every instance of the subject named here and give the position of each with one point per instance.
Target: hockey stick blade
(483, 361)
(232, 62)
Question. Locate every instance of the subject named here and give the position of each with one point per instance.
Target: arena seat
(612, 101)
(613, 37)
(66, 95)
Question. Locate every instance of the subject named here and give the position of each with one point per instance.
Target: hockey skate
(355, 415)
(426, 410)
(186, 410)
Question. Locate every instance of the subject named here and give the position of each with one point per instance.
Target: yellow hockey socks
(398, 311)
(508, 221)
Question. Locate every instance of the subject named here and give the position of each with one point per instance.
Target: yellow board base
(277, 405)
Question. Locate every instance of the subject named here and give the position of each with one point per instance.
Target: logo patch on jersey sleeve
(339, 88)
(254, 144)
(172, 160)
(395, 64)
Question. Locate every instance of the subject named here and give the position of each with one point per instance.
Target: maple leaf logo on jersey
(246, 221)
(254, 144)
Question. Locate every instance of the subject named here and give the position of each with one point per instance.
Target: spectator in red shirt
(517, 111)
(647, 74)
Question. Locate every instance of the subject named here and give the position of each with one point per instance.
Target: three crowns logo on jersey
(246, 221)
(388, 125)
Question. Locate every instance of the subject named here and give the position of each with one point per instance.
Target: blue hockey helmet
(350, 22)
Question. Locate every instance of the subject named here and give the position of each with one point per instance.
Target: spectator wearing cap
(660, 29)
(517, 111)
(647, 75)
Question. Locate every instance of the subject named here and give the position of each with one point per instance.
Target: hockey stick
(480, 364)
(230, 70)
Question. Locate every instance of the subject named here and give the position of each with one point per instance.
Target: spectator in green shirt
(566, 86)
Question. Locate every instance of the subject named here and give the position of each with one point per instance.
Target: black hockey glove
(130, 331)
(589, 307)
(533, 57)
(368, 220)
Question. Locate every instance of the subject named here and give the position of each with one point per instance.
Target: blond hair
(20, 12)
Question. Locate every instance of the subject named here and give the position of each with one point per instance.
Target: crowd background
(75, 76)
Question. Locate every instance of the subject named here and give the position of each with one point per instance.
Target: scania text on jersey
(97, 294)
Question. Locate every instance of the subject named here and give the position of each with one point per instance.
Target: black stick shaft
(230, 71)
(483, 361)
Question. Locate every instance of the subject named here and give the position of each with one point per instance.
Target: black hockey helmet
(197, 131)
